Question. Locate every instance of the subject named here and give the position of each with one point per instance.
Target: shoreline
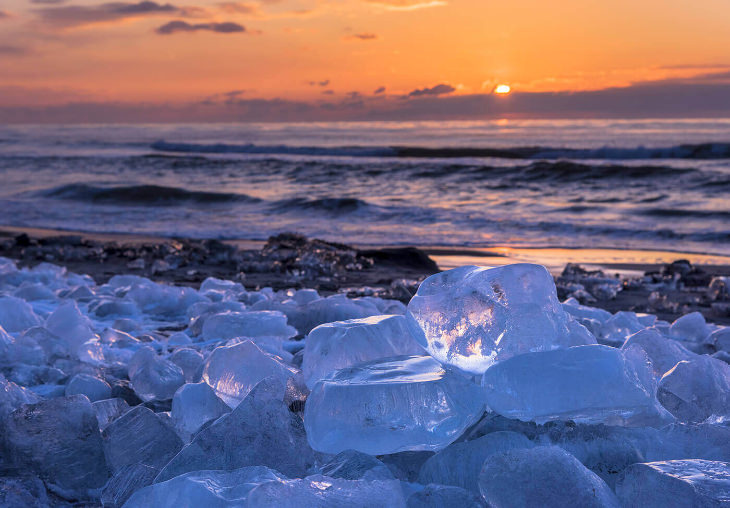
(653, 282)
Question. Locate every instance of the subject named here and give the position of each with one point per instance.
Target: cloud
(4, 15)
(325, 82)
(361, 37)
(328, 92)
(239, 8)
(379, 90)
(182, 26)
(81, 15)
(12, 50)
(407, 5)
(695, 66)
(442, 89)
(47, 2)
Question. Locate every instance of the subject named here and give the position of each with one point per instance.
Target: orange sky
(55, 51)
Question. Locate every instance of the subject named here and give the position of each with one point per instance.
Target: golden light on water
(502, 89)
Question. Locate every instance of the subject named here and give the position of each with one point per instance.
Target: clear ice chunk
(153, 377)
(354, 465)
(250, 324)
(333, 346)
(459, 464)
(586, 384)
(664, 353)
(472, 317)
(260, 431)
(16, 315)
(542, 476)
(696, 390)
(195, 405)
(91, 386)
(232, 371)
(678, 483)
(398, 404)
(126, 482)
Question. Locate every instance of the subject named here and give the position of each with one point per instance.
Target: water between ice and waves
(655, 184)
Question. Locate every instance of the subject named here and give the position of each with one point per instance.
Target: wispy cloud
(441, 89)
(69, 16)
(4, 15)
(178, 26)
(324, 82)
(407, 5)
(379, 90)
(361, 37)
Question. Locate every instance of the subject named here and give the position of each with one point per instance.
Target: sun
(502, 89)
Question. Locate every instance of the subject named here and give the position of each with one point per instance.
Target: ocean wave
(684, 151)
(326, 204)
(150, 195)
(689, 214)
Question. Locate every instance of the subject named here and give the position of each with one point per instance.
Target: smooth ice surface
(320, 491)
(93, 387)
(16, 315)
(399, 404)
(664, 353)
(354, 465)
(229, 325)
(696, 390)
(676, 483)
(588, 384)
(691, 327)
(459, 464)
(209, 489)
(333, 346)
(439, 496)
(139, 436)
(233, 371)
(190, 362)
(543, 476)
(260, 431)
(153, 377)
(59, 440)
(68, 323)
(472, 317)
(194, 405)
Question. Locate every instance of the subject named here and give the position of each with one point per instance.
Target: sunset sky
(360, 59)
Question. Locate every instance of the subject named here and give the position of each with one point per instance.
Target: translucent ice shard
(333, 346)
(587, 384)
(16, 315)
(681, 483)
(459, 464)
(664, 353)
(397, 404)
(93, 387)
(194, 405)
(472, 317)
(153, 377)
(542, 476)
(232, 371)
(696, 390)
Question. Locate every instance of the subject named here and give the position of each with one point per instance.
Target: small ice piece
(687, 483)
(126, 482)
(459, 464)
(153, 377)
(86, 384)
(191, 363)
(71, 326)
(439, 496)
(333, 346)
(472, 317)
(319, 491)
(217, 489)
(387, 406)
(13, 396)
(664, 353)
(194, 405)
(618, 327)
(139, 436)
(721, 339)
(23, 350)
(691, 327)
(59, 440)
(260, 431)
(109, 410)
(542, 476)
(354, 465)
(586, 384)
(251, 324)
(16, 315)
(696, 390)
(232, 371)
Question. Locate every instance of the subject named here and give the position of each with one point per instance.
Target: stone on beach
(333, 346)
(473, 317)
(387, 406)
(687, 483)
(588, 384)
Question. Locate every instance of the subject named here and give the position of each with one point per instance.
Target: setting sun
(502, 89)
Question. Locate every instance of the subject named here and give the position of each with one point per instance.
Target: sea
(620, 184)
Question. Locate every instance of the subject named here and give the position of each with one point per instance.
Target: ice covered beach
(484, 390)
